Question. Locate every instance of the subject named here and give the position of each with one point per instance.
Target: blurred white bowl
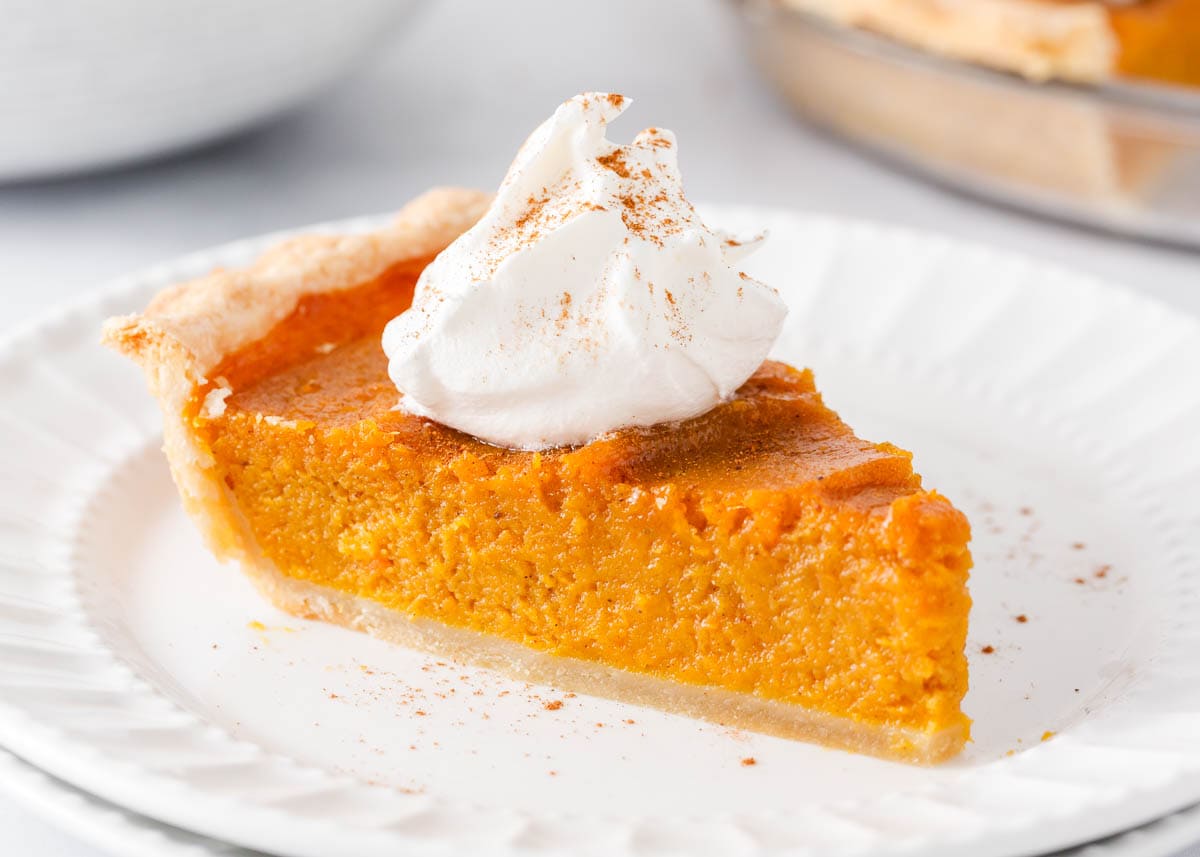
(92, 83)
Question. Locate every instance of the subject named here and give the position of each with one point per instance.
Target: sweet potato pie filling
(725, 551)
(1158, 39)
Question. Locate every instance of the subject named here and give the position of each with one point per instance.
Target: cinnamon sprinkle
(534, 211)
(654, 138)
(615, 161)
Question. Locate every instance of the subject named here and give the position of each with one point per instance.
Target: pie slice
(1081, 40)
(758, 566)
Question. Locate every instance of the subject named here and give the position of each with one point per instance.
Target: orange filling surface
(1156, 39)
(760, 548)
(1159, 39)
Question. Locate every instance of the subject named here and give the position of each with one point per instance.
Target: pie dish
(759, 565)
(1080, 40)
(1119, 155)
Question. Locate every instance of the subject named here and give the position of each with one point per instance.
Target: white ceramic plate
(119, 831)
(114, 830)
(1061, 414)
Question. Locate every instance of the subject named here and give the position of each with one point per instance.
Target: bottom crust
(311, 601)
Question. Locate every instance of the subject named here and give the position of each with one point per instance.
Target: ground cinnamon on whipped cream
(589, 297)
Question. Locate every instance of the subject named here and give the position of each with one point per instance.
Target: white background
(448, 103)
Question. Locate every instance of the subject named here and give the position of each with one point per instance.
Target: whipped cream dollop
(589, 297)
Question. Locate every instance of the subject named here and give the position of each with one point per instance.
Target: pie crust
(188, 329)
(1084, 41)
(1034, 38)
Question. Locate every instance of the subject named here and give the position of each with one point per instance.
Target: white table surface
(449, 103)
